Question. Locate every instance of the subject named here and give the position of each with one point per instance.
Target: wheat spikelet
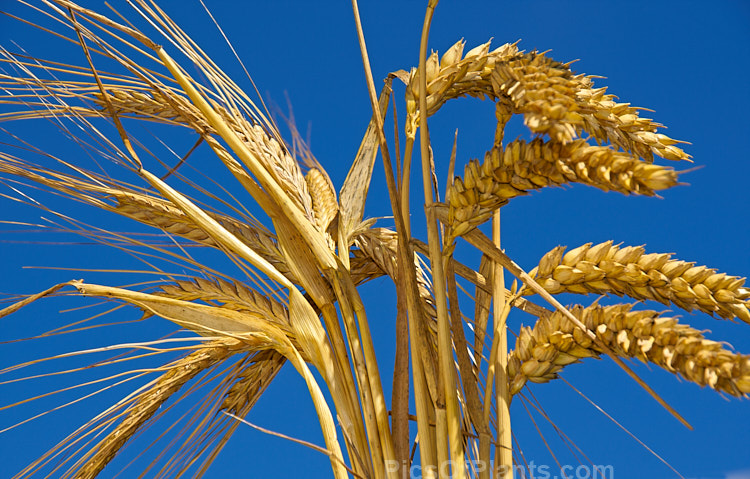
(609, 269)
(555, 342)
(148, 402)
(519, 167)
(555, 102)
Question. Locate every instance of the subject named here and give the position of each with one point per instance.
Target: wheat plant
(248, 253)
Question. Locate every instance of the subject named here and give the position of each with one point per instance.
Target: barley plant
(238, 258)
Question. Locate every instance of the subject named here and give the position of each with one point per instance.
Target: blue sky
(687, 61)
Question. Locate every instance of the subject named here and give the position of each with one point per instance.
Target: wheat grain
(555, 342)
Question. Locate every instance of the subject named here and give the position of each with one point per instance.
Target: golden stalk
(504, 446)
(451, 414)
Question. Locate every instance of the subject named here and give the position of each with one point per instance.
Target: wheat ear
(520, 167)
(160, 213)
(609, 269)
(561, 104)
(232, 295)
(554, 100)
(145, 208)
(252, 382)
(555, 342)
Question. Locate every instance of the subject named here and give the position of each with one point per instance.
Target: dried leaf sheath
(380, 246)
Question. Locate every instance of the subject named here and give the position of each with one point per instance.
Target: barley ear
(148, 402)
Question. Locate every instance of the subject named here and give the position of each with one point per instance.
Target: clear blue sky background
(687, 61)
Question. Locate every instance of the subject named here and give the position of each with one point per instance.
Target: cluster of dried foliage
(298, 301)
